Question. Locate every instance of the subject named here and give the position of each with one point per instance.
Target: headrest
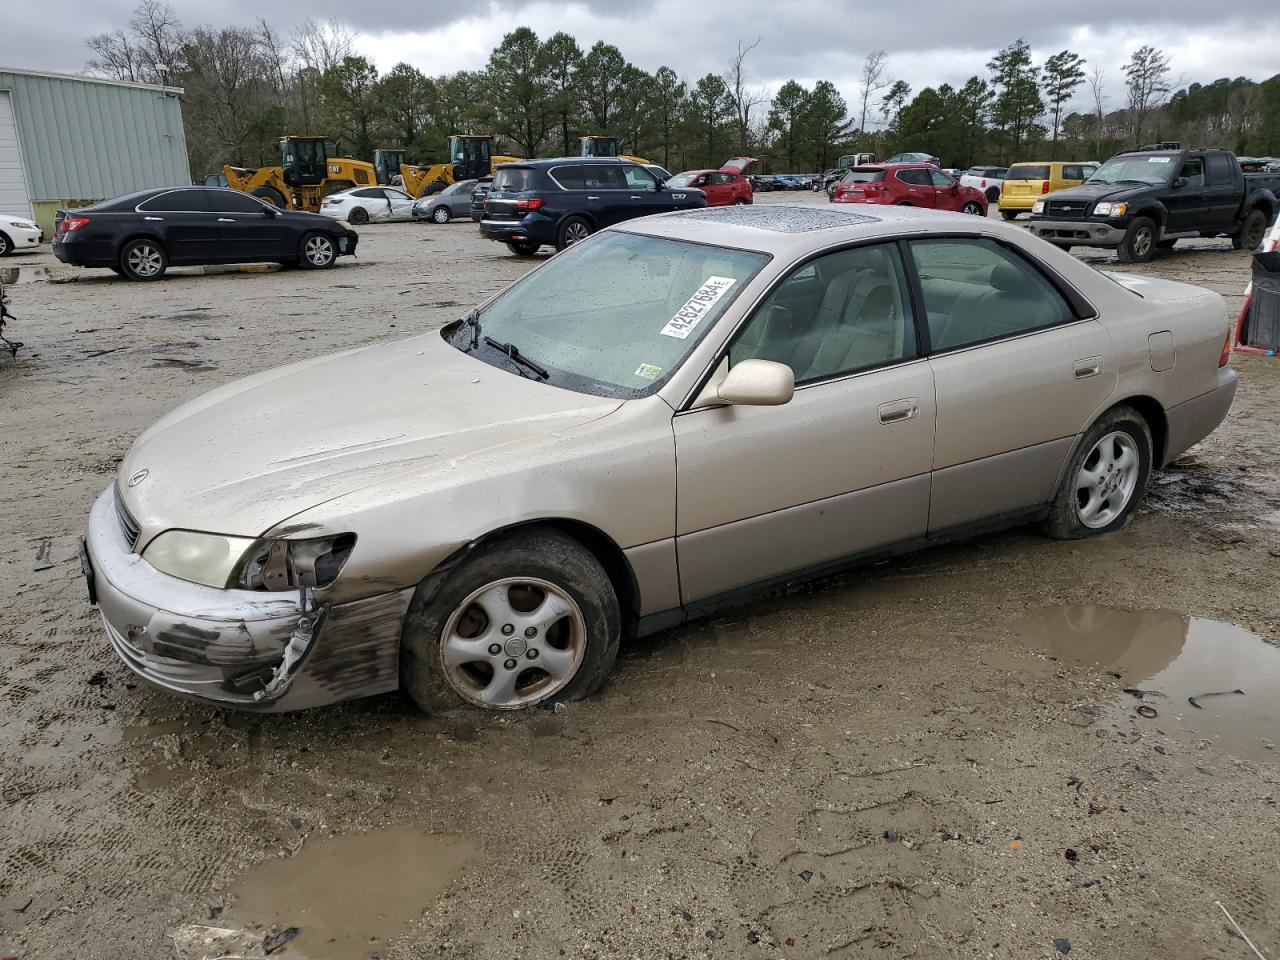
(1007, 277)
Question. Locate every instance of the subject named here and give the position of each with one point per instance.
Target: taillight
(72, 224)
(1225, 358)
(530, 203)
(1044, 187)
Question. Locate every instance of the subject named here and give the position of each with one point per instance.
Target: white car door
(401, 204)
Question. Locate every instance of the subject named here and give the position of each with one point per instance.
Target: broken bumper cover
(1093, 233)
(222, 646)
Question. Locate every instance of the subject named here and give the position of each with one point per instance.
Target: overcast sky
(928, 43)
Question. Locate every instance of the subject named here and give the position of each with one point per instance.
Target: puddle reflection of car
(453, 201)
(678, 411)
(366, 204)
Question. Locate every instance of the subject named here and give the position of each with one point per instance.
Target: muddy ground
(931, 757)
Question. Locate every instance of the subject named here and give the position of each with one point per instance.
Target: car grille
(1066, 208)
(128, 526)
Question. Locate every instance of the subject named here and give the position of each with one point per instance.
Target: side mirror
(752, 383)
(1179, 183)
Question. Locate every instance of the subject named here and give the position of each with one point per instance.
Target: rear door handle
(895, 411)
(225, 220)
(159, 219)
(637, 198)
(1088, 367)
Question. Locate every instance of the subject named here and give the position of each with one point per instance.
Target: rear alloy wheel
(1009, 214)
(529, 618)
(973, 208)
(1106, 478)
(1251, 232)
(573, 230)
(318, 251)
(522, 248)
(143, 260)
(1139, 243)
(441, 214)
(359, 215)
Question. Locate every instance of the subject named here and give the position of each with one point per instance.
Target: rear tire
(143, 260)
(573, 230)
(441, 214)
(359, 215)
(317, 251)
(1009, 214)
(1139, 243)
(1105, 478)
(523, 248)
(1249, 236)
(271, 195)
(442, 677)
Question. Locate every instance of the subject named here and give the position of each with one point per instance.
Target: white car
(986, 179)
(18, 233)
(364, 204)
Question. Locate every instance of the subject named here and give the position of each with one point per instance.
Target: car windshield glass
(682, 179)
(513, 181)
(614, 316)
(1028, 173)
(1152, 170)
(863, 176)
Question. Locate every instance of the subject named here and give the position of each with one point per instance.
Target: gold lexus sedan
(670, 415)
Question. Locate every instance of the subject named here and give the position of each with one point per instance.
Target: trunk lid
(738, 165)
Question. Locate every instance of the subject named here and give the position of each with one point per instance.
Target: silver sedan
(453, 201)
(677, 412)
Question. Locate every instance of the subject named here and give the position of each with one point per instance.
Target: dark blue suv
(535, 203)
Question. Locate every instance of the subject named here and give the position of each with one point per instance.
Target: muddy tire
(573, 230)
(1105, 478)
(143, 260)
(359, 215)
(271, 195)
(317, 251)
(523, 248)
(1249, 236)
(528, 618)
(1009, 214)
(1139, 243)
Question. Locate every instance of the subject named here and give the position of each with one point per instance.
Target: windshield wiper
(515, 356)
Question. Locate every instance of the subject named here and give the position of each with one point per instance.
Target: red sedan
(723, 187)
(908, 185)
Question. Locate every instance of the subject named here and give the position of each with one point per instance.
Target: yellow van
(1025, 183)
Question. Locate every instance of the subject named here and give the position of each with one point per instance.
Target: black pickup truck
(1147, 200)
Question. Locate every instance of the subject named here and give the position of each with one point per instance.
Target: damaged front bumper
(225, 646)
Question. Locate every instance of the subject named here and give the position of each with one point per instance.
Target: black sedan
(478, 193)
(142, 234)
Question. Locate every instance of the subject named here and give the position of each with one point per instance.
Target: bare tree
(1147, 81)
(157, 38)
(114, 56)
(744, 98)
(1097, 80)
(873, 81)
(322, 46)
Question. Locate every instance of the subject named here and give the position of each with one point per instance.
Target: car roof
(542, 163)
(790, 231)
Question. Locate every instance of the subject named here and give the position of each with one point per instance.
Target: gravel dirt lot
(930, 757)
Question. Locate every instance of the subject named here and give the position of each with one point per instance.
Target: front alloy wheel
(973, 208)
(318, 252)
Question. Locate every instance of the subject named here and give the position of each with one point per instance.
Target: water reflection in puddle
(1173, 658)
(349, 894)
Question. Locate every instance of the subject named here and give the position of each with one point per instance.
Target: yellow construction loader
(470, 158)
(606, 147)
(305, 177)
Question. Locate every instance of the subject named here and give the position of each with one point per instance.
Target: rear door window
(568, 177)
(177, 201)
(918, 178)
(1219, 170)
(602, 177)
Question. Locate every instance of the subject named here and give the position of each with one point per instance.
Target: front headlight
(1038, 207)
(1110, 209)
(23, 225)
(199, 557)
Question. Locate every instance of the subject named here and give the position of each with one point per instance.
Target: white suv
(986, 179)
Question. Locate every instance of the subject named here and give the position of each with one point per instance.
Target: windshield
(863, 176)
(1030, 172)
(682, 179)
(614, 316)
(1153, 170)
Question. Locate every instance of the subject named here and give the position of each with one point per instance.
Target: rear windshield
(514, 181)
(1029, 172)
(863, 176)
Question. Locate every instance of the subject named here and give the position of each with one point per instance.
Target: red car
(908, 185)
(723, 187)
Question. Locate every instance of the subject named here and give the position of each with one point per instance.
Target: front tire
(1139, 242)
(535, 596)
(573, 230)
(1105, 479)
(6, 245)
(993, 194)
(973, 208)
(318, 252)
(143, 260)
(1249, 237)
(441, 214)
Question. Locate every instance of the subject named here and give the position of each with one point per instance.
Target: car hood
(1096, 192)
(247, 456)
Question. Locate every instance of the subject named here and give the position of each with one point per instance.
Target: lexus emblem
(138, 477)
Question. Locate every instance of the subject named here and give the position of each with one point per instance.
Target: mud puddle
(1165, 661)
(348, 895)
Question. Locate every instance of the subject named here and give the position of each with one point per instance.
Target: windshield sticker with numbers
(696, 307)
(1159, 159)
(648, 371)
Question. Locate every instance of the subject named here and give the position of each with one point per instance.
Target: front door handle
(593, 198)
(896, 411)
(225, 220)
(1088, 367)
(158, 219)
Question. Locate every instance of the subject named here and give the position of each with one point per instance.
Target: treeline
(247, 86)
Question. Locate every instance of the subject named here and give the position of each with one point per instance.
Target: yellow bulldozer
(606, 147)
(470, 158)
(306, 176)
